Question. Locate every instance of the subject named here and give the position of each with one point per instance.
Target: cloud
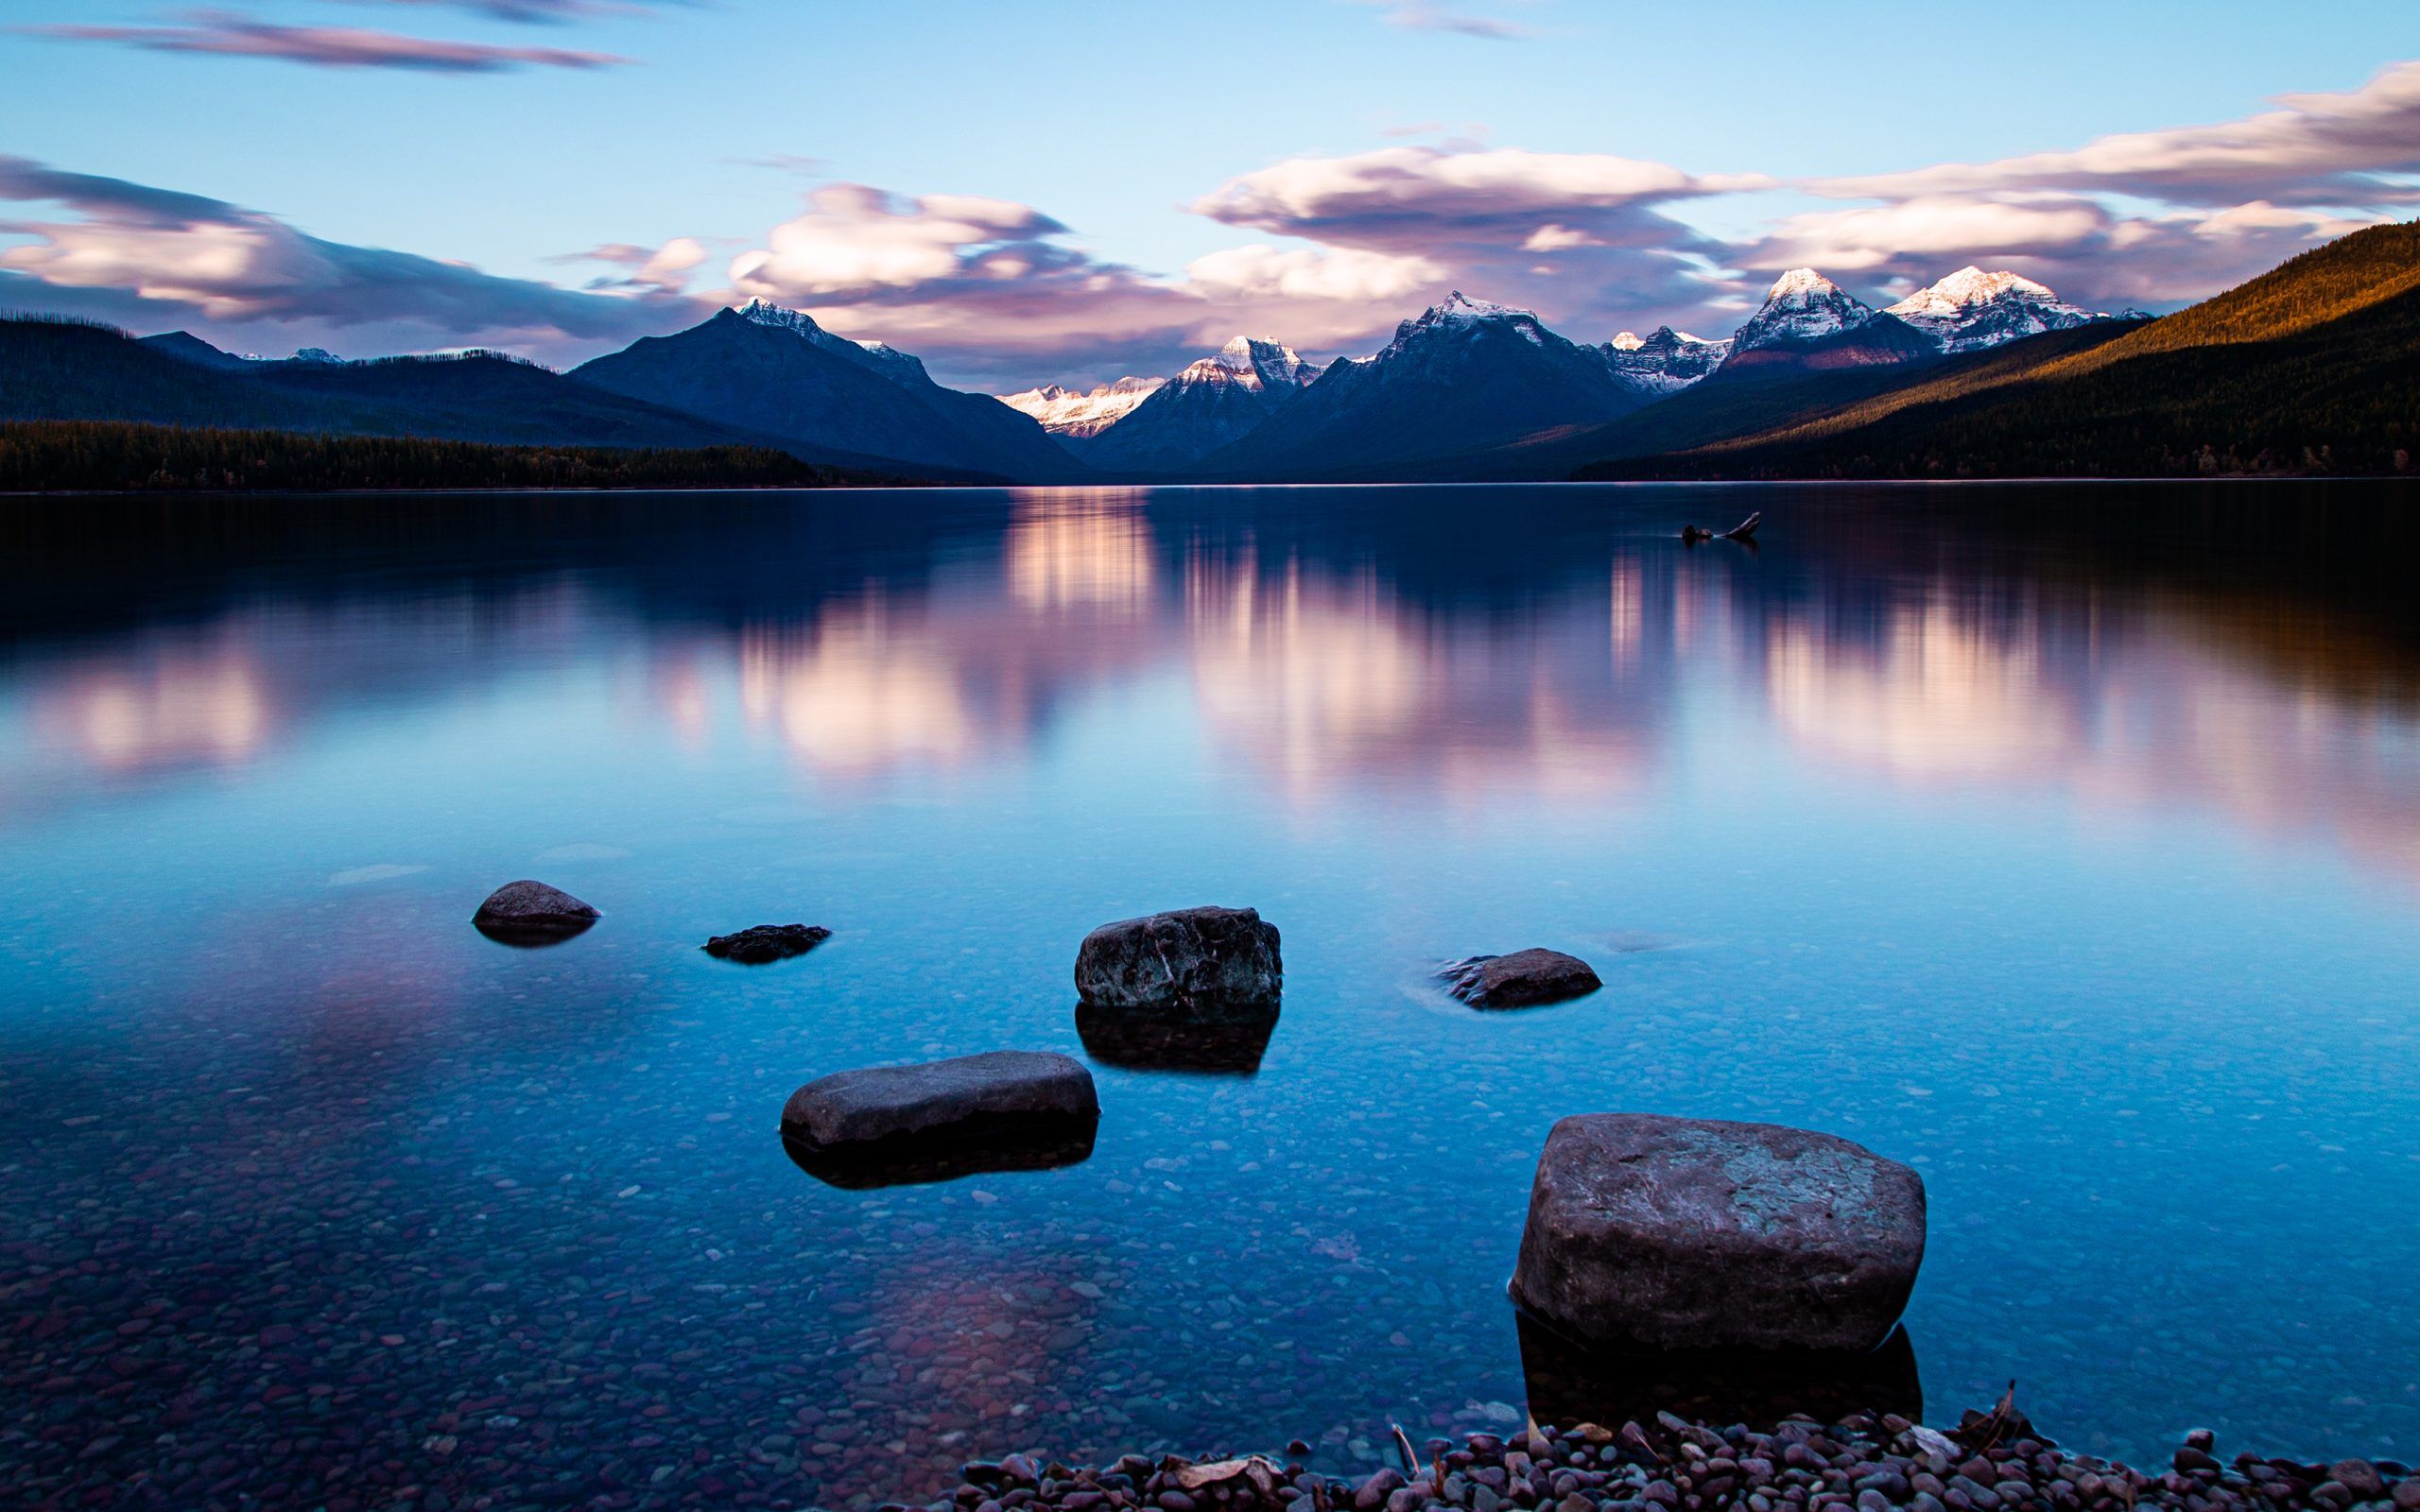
(156, 255)
(1306, 273)
(1419, 16)
(537, 10)
(2359, 148)
(228, 34)
(665, 269)
(1399, 194)
(1586, 237)
(2083, 247)
(856, 240)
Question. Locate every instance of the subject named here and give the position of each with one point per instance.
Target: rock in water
(1679, 1233)
(531, 913)
(1194, 958)
(1007, 1094)
(761, 943)
(1524, 979)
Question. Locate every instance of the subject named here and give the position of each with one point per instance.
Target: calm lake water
(2064, 843)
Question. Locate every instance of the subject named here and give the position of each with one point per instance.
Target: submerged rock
(1524, 979)
(531, 913)
(1004, 1093)
(761, 943)
(1568, 1381)
(1679, 1233)
(1042, 1146)
(1193, 958)
(1218, 1043)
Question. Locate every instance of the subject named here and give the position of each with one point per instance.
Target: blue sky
(1339, 162)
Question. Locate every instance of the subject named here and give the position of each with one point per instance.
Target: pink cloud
(228, 34)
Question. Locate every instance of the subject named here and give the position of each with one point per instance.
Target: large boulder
(1004, 1093)
(1680, 1233)
(760, 944)
(1189, 960)
(525, 913)
(1524, 979)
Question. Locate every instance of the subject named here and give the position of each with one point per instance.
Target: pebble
(1864, 1464)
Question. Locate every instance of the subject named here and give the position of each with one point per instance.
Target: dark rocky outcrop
(1524, 979)
(893, 1109)
(531, 913)
(1190, 960)
(763, 943)
(1676, 1233)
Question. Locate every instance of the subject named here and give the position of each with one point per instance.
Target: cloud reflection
(1320, 652)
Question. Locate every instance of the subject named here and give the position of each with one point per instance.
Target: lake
(2063, 842)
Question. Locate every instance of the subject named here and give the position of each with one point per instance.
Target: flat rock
(1524, 979)
(1190, 960)
(1009, 1093)
(1677, 1233)
(761, 943)
(527, 910)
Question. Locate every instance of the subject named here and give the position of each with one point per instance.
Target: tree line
(45, 456)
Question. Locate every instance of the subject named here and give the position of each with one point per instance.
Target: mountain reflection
(1329, 641)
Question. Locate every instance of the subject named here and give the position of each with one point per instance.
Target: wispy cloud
(665, 269)
(2358, 147)
(538, 10)
(1425, 15)
(232, 35)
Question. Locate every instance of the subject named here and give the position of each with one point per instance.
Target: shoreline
(1867, 1462)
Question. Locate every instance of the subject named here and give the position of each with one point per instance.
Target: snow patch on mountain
(883, 358)
(1070, 412)
(1664, 362)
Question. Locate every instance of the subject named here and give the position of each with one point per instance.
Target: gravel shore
(1989, 1462)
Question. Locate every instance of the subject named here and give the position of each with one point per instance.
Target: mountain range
(1979, 372)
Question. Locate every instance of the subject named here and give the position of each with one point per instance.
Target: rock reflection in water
(862, 1168)
(1218, 1044)
(1572, 1382)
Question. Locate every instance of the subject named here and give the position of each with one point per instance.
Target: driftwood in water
(1744, 532)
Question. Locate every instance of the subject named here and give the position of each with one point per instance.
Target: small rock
(1375, 1491)
(528, 912)
(1524, 979)
(2360, 1477)
(764, 943)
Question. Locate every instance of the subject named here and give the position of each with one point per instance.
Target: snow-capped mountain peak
(780, 317)
(1803, 305)
(1664, 362)
(1964, 289)
(1459, 313)
(1972, 309)
(1251, 362)
(883, 358)
(1801, 284)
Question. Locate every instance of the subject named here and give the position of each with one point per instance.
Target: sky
(1076, 192)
